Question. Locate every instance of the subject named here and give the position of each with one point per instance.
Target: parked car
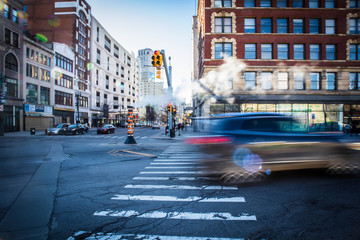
(108, 128)
(74, 129)
(155, 126)
(248, 147)
(57, 129)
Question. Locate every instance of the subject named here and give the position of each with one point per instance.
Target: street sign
(1, 108)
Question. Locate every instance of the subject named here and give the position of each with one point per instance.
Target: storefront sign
(46, 110)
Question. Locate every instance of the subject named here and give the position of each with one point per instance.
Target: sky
(155, 24)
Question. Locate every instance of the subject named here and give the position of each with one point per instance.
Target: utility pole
(78, 95)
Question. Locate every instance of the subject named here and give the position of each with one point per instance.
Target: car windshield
(73, 126)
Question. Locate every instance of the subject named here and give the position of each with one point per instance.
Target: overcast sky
(155, 24)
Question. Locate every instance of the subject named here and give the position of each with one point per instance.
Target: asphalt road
(96, 187)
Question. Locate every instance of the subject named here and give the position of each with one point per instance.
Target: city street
(96, 187)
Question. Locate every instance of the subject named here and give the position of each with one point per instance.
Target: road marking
(172, 163)
(172, 167)
(145, 154)
(178, 215)
(171, 160)
(142, 236)
(183, 187)
(174, 178)
(175, 199)
(175, 172)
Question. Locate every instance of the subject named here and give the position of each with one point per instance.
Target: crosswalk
(167, 179)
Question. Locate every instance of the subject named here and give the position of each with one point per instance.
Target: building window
(83, 101)
(266, 80)
(116, 51)
(299, 52)
(44, 96)
(63, 62)
(250, 51)
(299, 80)
(315, 81)
(62, 98)
(107, 44)
(329, 3)
(117, 69)
(63, 80)
(98, 56)
(250, 80)
(313, 3)
(354, 51)
(354, 26)
(283, 79)
(81, 50)
(282, 25)
(107, 82)
(298, 25)
(6, 11)
(330, 52)
(44, 75)
(315, 51)
(223, 49)
(11, 89)
(11, 38)
(31, 93)
(114, 88)
(82, 39)
(330, 81)
(249, 3)
(11, 62)
(354, 3)
(265, 3)
(283, 51)
(222, 3)
(330, 26)
(223, 25)
(298, 3)
(266, 51)
(32, 71)
(354, 81)
(266, 25)
(82, 28)
(314, 26)
(97, 34)
(15, 18)
(282, 3)
(82, 16)
(250, 25)
(108, 63)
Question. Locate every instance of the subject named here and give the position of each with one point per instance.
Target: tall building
(11, 66)
(67, 22)
(298, 57)
(114, 78)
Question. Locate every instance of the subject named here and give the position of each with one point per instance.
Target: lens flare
(267, 171)
(55, 74)
(89, 66)
(41, 37)
(244, 158)
(54, 21)
(22, 15)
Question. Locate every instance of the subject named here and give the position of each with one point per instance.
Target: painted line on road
(175, 199)
(174, 178)
(175, 172)
(178, 215)
(114, 236)
(182, 187)
(145, 154)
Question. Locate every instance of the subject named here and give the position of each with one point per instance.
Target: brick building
(67, 22)
(298, 57)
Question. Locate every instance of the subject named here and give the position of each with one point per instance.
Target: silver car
(57, 129)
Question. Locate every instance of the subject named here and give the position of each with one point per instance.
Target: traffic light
(158, 72)
(174, 109)
(169, 107)
(156, 59)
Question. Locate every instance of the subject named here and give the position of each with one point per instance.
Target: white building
(114, 78)
(37, 86)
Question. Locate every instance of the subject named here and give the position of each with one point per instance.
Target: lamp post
(78, 95)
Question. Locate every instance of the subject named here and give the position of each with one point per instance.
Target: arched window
(82, 16)
(11, 62)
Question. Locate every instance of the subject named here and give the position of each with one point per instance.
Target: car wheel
(108, 132)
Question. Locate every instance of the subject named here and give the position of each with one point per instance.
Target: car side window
(261, 124)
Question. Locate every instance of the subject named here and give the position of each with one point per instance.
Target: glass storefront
(312, 117)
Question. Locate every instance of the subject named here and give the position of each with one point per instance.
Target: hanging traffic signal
(153, 62)
(174, 111)
(156, 59)
(159, 59)
(169, 107)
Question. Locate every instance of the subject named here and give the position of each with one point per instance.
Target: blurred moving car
(247, 147)
(108, 128)
(155, 126)
(86, 127)
(74, 129)
(57, 129)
